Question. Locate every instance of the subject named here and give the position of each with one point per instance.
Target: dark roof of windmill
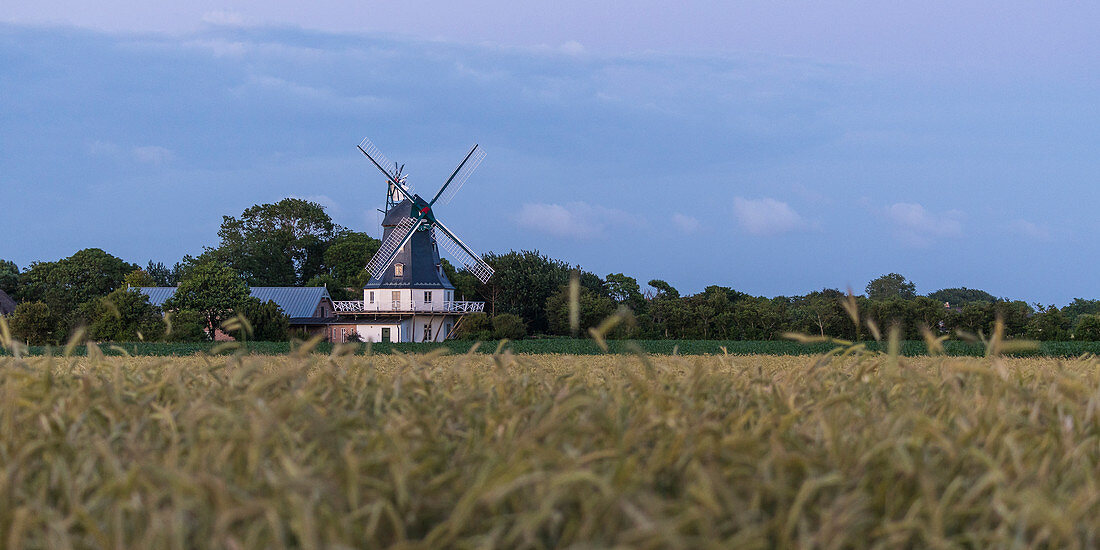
(419, 258)
(295, 301)
(7, 305)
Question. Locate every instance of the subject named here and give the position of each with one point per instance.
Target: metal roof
(7, 305)
(295, 301)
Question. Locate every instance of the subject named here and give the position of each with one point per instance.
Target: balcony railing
(399, 306)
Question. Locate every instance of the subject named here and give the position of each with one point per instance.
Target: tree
(34, 323)
(664, 288)
(821, 312)
(1081, 306)
(1087, 328)
(891, 285)
(161, 275)
(123, 316)
(269, 323)
(9, 277)
(593, 309)
(961, 296)
(510, 326)
(187, 325)
(1048, 323)
(625, 291)
(475, 326)
(139, 278)
(211, 288)
(65, 284)
(523, 281)
(277, 244)
(347, 256)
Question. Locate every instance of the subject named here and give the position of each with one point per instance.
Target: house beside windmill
(409, 298)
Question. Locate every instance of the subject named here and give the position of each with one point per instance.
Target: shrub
(123, 316)
(187, 325)
(269, 323)
(475, 326)
(32, 322)
(1088, 328)
(510, 326)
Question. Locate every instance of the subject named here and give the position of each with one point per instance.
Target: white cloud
(916, 226)
(577, 220)
(1031, 230)
(152, 154)
(572, 47)
(685, 223)
(766, 216)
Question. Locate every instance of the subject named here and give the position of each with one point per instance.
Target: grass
(312, 450)
(577, 347)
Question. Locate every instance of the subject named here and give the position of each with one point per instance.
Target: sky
(772, 147)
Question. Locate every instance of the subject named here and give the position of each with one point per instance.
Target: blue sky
(773, 148)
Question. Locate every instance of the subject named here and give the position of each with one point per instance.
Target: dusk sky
(772, 147)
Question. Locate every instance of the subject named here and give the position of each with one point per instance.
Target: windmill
(421, 216)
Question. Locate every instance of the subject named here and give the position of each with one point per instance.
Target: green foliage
(959, 297)
(1081, 306)
(160, 275)
(891, 285)
(211, 288)
(123, 316)
(347, 255)
(336, 289)
(594, 308)
(510, 326)
(65, 284)
(524, 281)
(269, 323)
(9, 277)
(475, 326)
(139, 278)
(33, 323)
(664, 288)
(279, 244)
(1087, 328)
(1048, 323)
(188, 325)
(625, 291)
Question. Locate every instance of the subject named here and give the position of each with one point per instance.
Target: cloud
(916, 226)
(1031, 230)
(152, 154)
(685, 223)
(766, 216)
(576, 220)
(572, 47)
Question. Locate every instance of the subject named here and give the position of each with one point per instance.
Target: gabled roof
(7, 305)
(295, 301)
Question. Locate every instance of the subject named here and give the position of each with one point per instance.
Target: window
(427, 296)
(428, 332)
(372, 297)
(398, 270)
(395, 296)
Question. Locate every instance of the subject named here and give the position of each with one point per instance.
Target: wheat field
(503, 451)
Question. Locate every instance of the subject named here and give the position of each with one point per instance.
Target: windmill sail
(399, 236)
(388, 167)
(462, 253)
(462, 173)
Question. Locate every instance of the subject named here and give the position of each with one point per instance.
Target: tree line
(295, 243)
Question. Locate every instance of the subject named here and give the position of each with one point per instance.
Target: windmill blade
(382, 163)
(462, 253)
(398, 238)
(460, 175)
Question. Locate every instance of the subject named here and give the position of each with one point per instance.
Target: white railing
(358, 306)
